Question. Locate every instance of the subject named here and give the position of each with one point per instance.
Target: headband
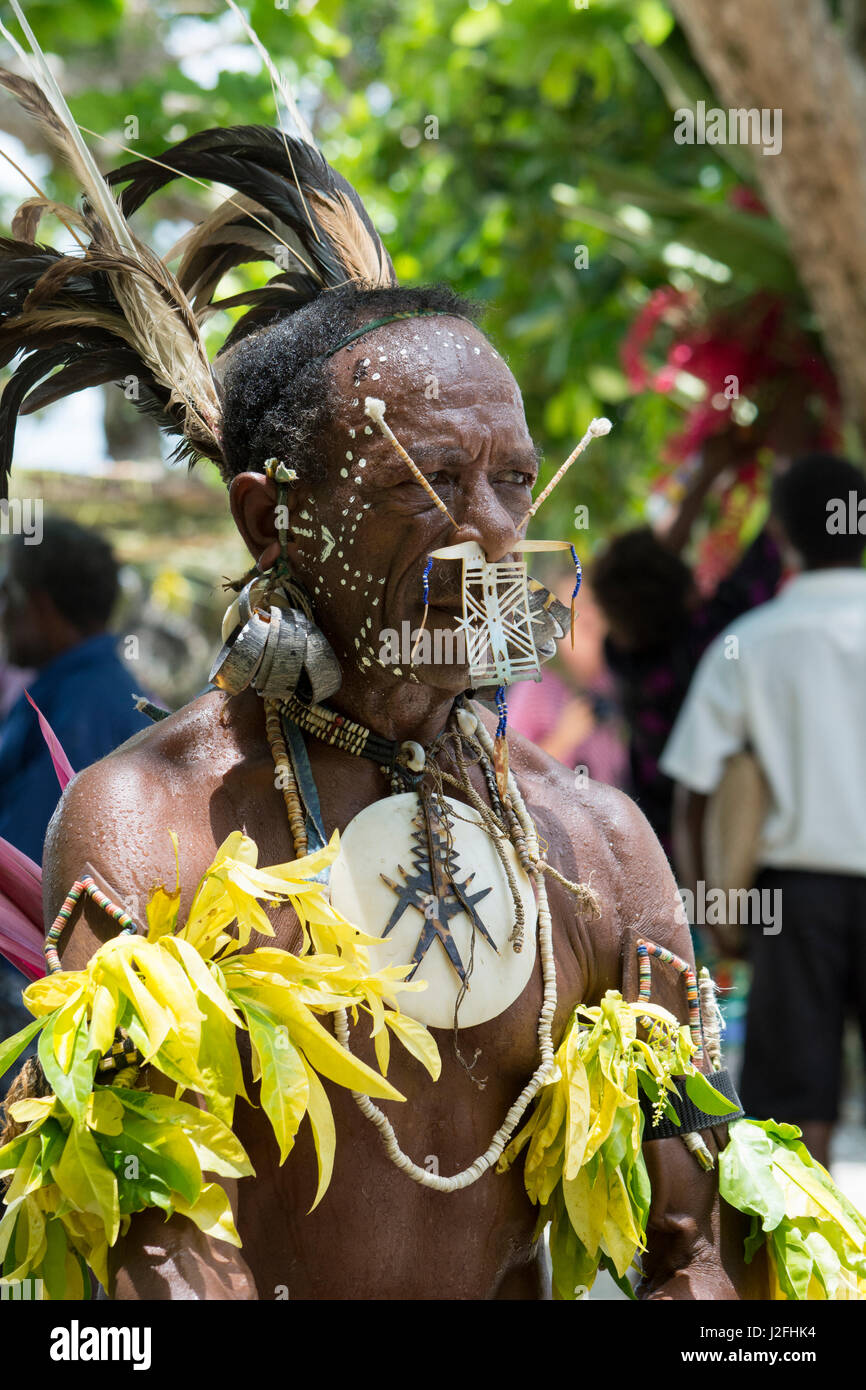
(392, 318)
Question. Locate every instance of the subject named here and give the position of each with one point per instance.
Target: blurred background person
(787, 681)
(659, 625)
(55, 603)
(572, 713)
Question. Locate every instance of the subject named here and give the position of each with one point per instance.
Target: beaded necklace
(517, 825)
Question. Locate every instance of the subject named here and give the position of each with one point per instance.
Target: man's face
(364, 535)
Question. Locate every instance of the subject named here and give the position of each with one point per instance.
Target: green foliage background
(553, 130)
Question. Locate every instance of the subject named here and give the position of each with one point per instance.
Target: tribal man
(465, 853)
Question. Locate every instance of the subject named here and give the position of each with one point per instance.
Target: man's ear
(253, 501)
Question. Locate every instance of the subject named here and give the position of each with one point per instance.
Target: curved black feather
(267, 166)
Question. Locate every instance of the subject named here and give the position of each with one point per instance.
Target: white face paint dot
(358, 478)
(358, 516)
(368, 429)
(339, 554)
(342, 581)
(476, 349)
(377, 376)
(345, 511)
(355, 402)
(397, 671)
(362, 463)
(382, 358)
(344, 472)
(369, 579)
(351, 434)
(349, 454)
(345, 567)
(366, 361)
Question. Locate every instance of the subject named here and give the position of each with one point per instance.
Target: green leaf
(11, 1049)
(89, 1184)
(705, 1096)
(321, 1119)
(218, 1150)
(54, 1263)
(161, 1149)
(72, 1088)
(284, 1086)
(52, 1137)
(745, 1175)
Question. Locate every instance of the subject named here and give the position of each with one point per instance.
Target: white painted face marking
(344, 472)
(349, 455)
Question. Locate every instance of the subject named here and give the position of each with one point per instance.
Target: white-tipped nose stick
(375, 410)
(599, 426)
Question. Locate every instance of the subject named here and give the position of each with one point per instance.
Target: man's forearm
(694, 1240)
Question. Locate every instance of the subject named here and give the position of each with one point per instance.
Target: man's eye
(514, 475)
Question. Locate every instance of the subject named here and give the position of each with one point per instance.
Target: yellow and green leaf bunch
(93, 1154)
(815, 1238)
(584, 1163)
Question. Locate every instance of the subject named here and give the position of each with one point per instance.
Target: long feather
(278, 82)
(76, 150)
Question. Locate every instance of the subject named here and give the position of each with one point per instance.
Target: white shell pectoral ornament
(438, 899)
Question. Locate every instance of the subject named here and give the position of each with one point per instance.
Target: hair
(642, 587)
(74, 566)
(277, 387)
(801, 500)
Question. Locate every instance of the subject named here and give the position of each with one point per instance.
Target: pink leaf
(62, 765)
(21, 881)
(21, 941)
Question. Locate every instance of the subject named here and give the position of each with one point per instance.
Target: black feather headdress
(113, 311)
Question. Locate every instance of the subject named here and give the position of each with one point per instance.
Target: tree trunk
(788, 55)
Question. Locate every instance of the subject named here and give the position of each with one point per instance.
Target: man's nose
(481, 517)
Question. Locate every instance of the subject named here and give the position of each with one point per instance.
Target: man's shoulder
(186, 737)
(597, 835)
(599, 815)
(160, 766)
(116, 814)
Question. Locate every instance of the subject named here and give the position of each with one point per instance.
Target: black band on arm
(690, 1117)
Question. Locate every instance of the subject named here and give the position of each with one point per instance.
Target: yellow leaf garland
(584, 1165)
(93, 1154)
